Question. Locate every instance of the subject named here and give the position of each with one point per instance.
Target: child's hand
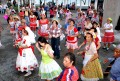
(105, 61)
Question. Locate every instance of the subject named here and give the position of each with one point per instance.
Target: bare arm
(49, 51)
(108, 28)
(99, 45)
(37, 45)
(81, 45)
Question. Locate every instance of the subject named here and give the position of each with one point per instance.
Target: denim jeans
(55, 46)
(61, 16)
(27, 20)
(3, 11)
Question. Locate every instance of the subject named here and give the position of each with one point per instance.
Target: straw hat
(110, 19)
(56, 19)
(16, 17)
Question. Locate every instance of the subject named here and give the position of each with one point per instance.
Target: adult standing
(68, 15)
(33, 19)
(14, 2)
(27, 13)
(108, 34)
(52, 12)
(4, 8)
(55, 33)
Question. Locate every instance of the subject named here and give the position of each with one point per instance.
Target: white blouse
(106, 25)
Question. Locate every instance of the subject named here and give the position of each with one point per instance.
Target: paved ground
(8, 56)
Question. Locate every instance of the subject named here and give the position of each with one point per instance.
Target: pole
(65, 2)
(80, 4)
(44, 2)
(40, 2)
(76, 4)
(57, 3)
(18, 5)
(89, 2)
(96, 2)
(30, 3)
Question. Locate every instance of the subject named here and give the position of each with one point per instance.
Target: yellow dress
(92, 71)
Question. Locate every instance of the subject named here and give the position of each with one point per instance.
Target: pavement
(8, 55)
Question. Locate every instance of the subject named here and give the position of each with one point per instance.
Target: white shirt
(4, 6)
(106, 25)
(98, 33)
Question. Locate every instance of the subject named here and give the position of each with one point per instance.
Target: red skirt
(108, 37)
(33, 26)
(42, 34)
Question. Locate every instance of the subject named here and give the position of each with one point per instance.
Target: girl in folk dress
(49, 69)
(26, 60)
(108, 35)
(95, 17)
(72, 34)
(33, 21)
(79, 21)
(83, 22)
(78, 11)
(88, 24)
(95, 25)
(70, 73)
(11, 25)
(43, 31)
(17, 24)
(30, 32)
(91, 66)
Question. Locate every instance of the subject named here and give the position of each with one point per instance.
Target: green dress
(49, 68)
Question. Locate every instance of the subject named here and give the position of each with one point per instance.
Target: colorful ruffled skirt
(92, 72)
(26, 60)
(49, 71)
(108, 37)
